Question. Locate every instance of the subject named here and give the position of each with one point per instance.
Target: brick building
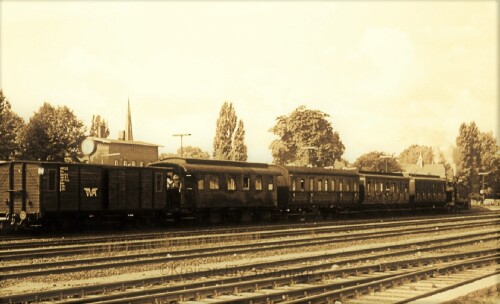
(119, 152)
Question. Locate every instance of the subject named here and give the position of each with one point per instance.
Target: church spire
(420, 161)
(128, 125)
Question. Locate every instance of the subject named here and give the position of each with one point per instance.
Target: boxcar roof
(217, 166)
(319, 171)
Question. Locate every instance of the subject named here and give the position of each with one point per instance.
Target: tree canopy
(306, 137)
(475, 158)
(52, 134)
(377, 162)
(411, 154)
(10, 125)
(229, 142)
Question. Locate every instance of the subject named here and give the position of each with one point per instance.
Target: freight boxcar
(218, 190)
(47, 193)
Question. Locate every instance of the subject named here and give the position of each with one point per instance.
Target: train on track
(179, 189)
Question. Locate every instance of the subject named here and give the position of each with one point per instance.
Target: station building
(124, 151)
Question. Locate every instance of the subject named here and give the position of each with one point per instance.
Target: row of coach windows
(127, 163)
(235, 182)
(387, 186)
(299, 184)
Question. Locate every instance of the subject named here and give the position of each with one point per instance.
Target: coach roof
(217, 166)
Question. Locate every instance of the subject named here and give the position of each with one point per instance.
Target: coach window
(294, 184)
(158, 182)
(52, 180)
(355, 186)
(214, 182)
(341, 185)
(333, 185)
(258, 182)
(348, 185)
(141, 164)
(320, 184)
(246, 182)
(302, 184)
(270, 186)
(326, 184)
(231, 183)
(311, 184)
(368, 188)
(201, 182)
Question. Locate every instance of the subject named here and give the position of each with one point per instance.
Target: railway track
(75, 265)
(24, 242)
(285, 267)
(70, 247)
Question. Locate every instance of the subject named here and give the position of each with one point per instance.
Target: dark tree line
(51, 134)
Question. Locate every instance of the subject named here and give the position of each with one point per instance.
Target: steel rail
(14, 271)
(12, 255)
(99, 288)
(238, 230)
(196, 291)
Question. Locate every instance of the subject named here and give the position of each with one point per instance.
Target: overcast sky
(389, 73)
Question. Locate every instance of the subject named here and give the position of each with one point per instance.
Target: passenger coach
(218, 190)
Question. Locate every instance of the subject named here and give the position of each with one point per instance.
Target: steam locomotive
(178, 189)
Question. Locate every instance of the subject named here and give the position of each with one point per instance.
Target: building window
(51, 186)
(302, 184)
(125, 163)
(258, 182)
(116, 162)
(133, 163)
(214, 182)
(231, 183)
(246, 182)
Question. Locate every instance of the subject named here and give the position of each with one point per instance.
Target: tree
(193, 152)
(377, 162)
(228, 142)
(10, 125)
(305, 137)
(411, 154)
(490, 163)
(52, 134)
(239, 149)
(97, 123)
(476, 153)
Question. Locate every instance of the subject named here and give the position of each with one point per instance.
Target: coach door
(174, 188)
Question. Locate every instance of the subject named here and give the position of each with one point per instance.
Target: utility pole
(386, 157)
(483, 174)
(181, 136)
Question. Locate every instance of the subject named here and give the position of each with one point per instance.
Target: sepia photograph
(249, 151)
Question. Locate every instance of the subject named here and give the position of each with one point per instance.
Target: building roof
(426, 169)
(123, 142)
